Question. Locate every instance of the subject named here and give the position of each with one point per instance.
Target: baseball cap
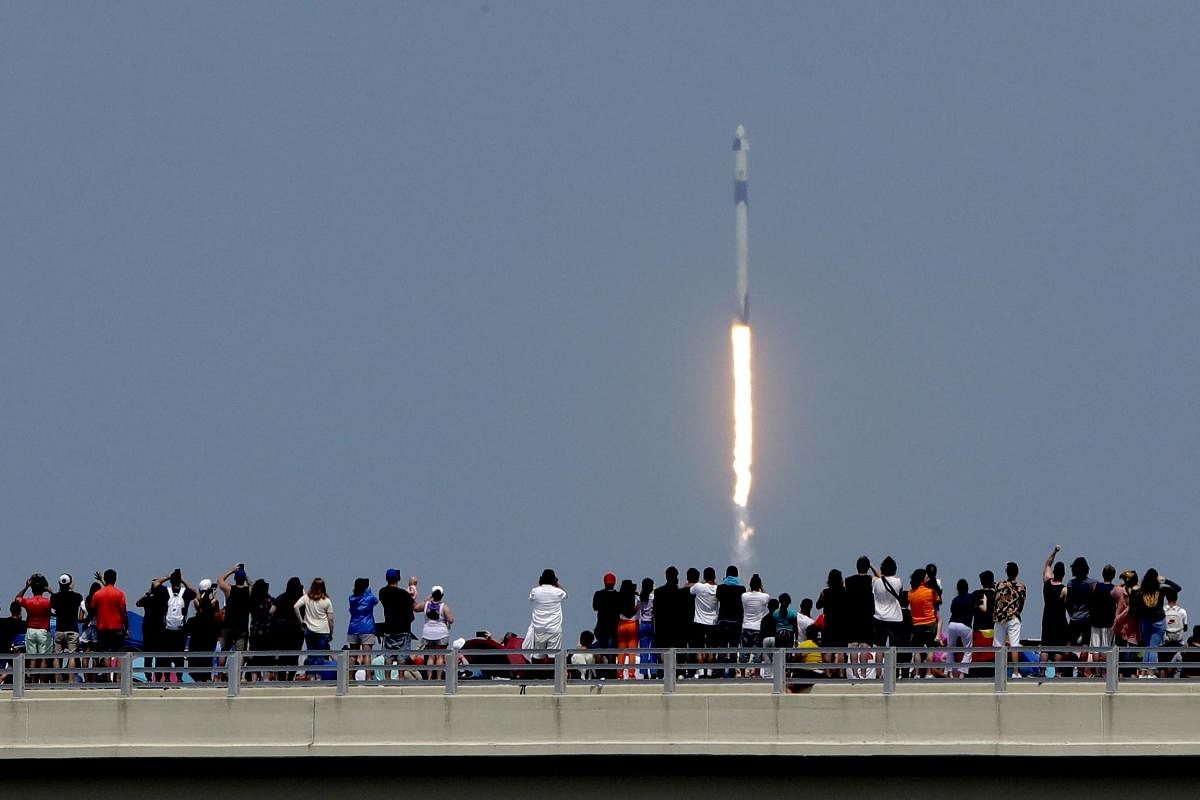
(437, 590)
(64, 579)
(609, 579)
(239, 576)
(205, 585)
(393, 574)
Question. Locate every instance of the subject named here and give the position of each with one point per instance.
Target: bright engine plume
(743, 425)
(743, 408)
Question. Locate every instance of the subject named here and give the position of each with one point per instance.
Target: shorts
(37, 641)
(923, 635)
(397, 641)
(234, 640)
(546, 640)
(1101, 637)
(435, 644)
(751, 639)
(361, 639)
(110, 641)
(1079, 633)
(1007, 633)
(702, 635)
(66, 642)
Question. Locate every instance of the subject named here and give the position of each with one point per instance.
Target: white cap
(437, 590)
(64, 579)
(205, 585)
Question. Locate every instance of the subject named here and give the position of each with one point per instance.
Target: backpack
(176, 609)
(1174, 627)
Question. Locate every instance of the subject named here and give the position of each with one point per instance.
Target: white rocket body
(741, 200)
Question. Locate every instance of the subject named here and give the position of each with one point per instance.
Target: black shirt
(984, 619)
(10, 628)
(607, 605)
(1103, 606)
(962, 609)
(666, 613)
(153, 613)
(65, 606)
(237, 609)
(729, 602)
(397, 611)
(860, 602)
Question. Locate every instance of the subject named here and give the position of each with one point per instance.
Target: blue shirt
(362, 613)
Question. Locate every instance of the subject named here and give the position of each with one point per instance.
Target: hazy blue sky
(447, 286)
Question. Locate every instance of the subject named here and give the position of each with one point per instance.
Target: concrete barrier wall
(302, 723)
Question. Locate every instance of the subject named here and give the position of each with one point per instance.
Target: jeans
(1152, 636)
(315, 641)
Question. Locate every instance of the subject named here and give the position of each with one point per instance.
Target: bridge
(559, 714)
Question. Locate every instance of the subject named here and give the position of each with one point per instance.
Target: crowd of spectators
(852, 617)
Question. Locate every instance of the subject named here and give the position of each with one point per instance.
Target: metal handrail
(780, 669)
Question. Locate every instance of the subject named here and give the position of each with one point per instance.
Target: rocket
(741, 199)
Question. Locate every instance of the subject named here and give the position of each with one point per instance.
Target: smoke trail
(743, 435)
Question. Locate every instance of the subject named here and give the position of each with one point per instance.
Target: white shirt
(706, 603)
(547, 608)
(754, 608)
(887, 607)
(802, 623)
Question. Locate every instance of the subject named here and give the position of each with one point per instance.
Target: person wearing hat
(606, 603)
(435, 634)
(67, 605)
(37, 622)
(396, 628)
(204, 630)
(235, 630)
(546, 622)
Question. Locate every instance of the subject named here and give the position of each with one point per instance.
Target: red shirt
(110, 607)
(38, 609)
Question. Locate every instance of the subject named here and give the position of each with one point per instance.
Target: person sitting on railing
(585, 662)
(1175, 625)
(1191, 656)
(810, 655)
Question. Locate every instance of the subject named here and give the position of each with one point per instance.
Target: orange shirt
(920, 603)
(109, 605)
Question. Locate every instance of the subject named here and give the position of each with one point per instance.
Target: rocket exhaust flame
(743, 408)
(743, 424)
